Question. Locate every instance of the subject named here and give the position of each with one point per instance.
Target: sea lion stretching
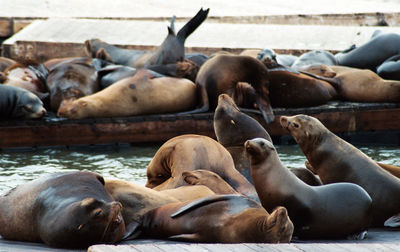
(233, 128)
(216, 219)
(221, 73)
(70, 210)
(171, 50)
(326, 211)
(16, 102)
(193, 152)
(335, 160)
(141, 94)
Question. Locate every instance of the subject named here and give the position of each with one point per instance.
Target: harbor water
(124, 161)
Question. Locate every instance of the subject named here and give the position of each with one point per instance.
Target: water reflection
(124, 162)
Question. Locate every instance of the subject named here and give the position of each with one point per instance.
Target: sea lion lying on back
(171, 50)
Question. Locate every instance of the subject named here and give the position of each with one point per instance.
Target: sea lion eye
(159, 175)
(295, 125)
(97, 213)
(28, 108)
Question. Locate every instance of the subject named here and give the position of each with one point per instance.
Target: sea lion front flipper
(201, 202)
(132, 231)
(185, 237)
(358, 236)
(266, 109)
(393, 221)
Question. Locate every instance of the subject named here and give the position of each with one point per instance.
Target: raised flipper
(393, 221)
(201, 202)
(192, 25)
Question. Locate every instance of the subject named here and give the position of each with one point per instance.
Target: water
(125, 162)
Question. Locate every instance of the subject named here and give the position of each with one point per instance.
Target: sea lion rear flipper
(201, 202)
(192, 25)
(393, 221)
(185, 237)
(132, 231)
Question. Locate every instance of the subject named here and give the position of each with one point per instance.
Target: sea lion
(359, 85)
(141, 94)
(282, 59)
(185, 193)
(335, 160)
(250, 52)
(209, 179)
(390, 68)
(306, 176)
(110, 74)
(193, 152)
(314, 57)
(182, 69)
(290, 88)
(394, 170)
(221, 73)
(371, 54)
(171, 50)
(71, 79)
(16, 102)
(197, 58)
(31, 78)
(326, 211)
(233, 128)
(70, 210)
(5, 63)
(216, 219)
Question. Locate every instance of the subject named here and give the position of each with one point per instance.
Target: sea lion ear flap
(100, 178)
(190, 178)
(88, 201)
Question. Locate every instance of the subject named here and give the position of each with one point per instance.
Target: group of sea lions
(114, 82)
(232, 190)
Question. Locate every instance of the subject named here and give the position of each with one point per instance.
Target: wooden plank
(45, 39)
(6, 27)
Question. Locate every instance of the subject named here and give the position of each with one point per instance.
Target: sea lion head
(87, 222)
(279, 226)
(233, 127)
(258, 149)
(303, 128)
(30, 106)
(266, 53)
(73, 109)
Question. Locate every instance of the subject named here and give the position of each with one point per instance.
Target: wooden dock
(339, 117)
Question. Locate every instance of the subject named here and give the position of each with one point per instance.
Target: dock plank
(45, 39)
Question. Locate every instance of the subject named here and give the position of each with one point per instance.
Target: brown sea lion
(250, 52)
(70, 80)
(233, 128)
(182, 69)
(70, 210)
(290, 88)
(394, 170)
(359, 85)
(216, 219)
(209, 179)
(185, 193)
(193, 152)
(336, 160)
(5, 63)
(306, 176)
(16, 102)
(221, 73)
(138, 95)
(171, 50)
(31, 78)
(326, 211)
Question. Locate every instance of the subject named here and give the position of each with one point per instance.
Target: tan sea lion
(185, 193)
(233, 128)
(326, 211)
(360, 85)
(70, 210)
(216, 219)
(221, 73)
(209, 179)
(336, 160)
(138, 95)
(189, 153)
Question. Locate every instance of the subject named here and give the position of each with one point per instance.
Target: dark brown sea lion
(16, 102)
(138, 95)
(70, 80)
(209, 179)
(335, 160)
(31, 78)
(221, 73)
(71, 210)
(216, 219)
(171, 50)
(233, 128)
(189, 153)
(327, 211)
(371, 54)
(182, 69)
(359, 85)
(314, 57)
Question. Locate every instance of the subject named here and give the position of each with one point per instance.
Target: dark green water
(125, 161)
